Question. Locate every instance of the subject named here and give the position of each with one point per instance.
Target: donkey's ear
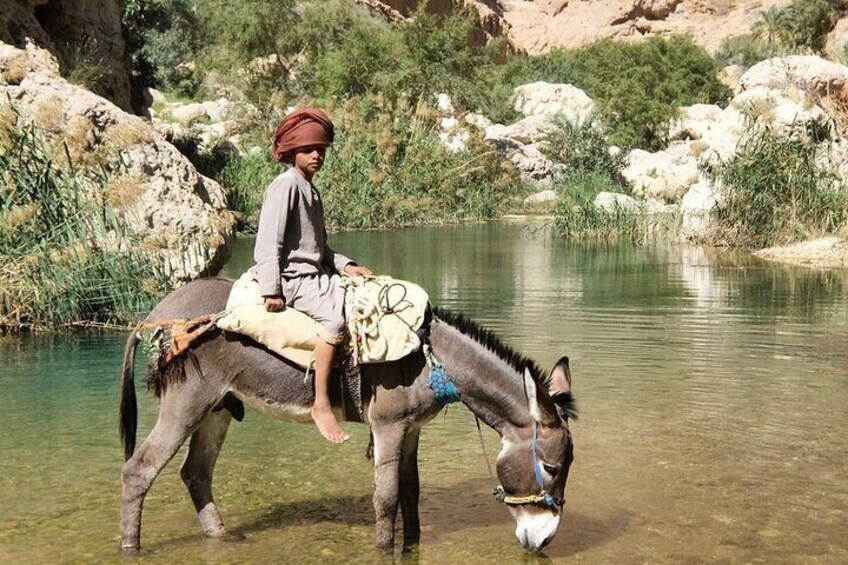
(560, 382)
(530, 391)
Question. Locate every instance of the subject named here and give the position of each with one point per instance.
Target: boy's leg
(322, 411)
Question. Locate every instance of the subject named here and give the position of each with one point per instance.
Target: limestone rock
(696, 207)
(547, 99)
(665, 175)
(540, 197)
(65, 28)
(612, 201)
(821, 253)
(532, 164)
(179, 214)
(807, 72)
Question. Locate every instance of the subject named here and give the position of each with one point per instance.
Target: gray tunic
(291, 252)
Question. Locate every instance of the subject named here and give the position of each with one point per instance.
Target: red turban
(306, 127)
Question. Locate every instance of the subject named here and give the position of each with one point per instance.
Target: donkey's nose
(536, 531)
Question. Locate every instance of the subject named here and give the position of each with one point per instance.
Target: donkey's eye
(552, 470)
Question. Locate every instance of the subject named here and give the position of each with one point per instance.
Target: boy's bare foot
(327, 424)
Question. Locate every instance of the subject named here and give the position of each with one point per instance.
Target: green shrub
(65, 255)
(245, 179)
(744, 50)
(582, 148)
(777, 190)
(577, 217)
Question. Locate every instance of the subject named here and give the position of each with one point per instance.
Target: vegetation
(778, 190)
(798, 27)
(638, 87)
(65, 255)
(388, 168)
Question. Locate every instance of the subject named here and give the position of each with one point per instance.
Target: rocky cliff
(536, 26)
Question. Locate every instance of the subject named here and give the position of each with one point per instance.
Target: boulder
(665, 175)
(807, 72)
(546, 99)
(612, 201)
(696, 207)
(532, 164)
(176, 212)
(540, 197)
(693, 121)
(68, 29)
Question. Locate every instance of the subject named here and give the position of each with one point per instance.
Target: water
(712, 386)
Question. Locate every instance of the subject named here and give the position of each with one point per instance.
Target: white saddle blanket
(382, 315)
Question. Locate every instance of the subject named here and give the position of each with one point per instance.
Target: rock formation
(178, 214)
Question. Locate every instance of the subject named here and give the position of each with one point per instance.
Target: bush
(744, 50)
(245, 179)
(577, 217)
(582, 148)
(777, 190)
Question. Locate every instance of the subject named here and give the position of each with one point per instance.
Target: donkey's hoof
(131, 549)
(229, 536)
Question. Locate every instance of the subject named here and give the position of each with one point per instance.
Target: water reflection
(712, 389)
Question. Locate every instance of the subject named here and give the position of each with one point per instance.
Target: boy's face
(310, 159)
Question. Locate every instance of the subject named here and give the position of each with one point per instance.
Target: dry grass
(79, 138)
(124, 190)
(15, 69)
(127, 134)
(48, 114)
(835, 103)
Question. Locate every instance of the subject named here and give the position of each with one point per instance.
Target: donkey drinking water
(508, 392)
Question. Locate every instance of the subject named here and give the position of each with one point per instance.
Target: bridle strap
(543, 497)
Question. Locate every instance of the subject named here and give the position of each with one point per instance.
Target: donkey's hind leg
(182, 407)
(198, 467)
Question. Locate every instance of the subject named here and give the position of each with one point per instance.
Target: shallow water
(712, 387)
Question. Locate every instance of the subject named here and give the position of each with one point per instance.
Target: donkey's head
(534, 461)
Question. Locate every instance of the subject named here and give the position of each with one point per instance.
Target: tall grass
(777, 190)
(577, 217)
(66, 257)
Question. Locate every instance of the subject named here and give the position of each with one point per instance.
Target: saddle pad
(288, 333)
(383, 315)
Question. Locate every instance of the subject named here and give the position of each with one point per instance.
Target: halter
(446, 393)
(542, 498)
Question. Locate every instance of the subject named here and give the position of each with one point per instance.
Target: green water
(713, 390)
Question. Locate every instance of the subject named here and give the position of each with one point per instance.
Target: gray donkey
(201, 391)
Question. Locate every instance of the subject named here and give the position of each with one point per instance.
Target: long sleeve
(273, 217)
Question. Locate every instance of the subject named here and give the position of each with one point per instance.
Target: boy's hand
(275, 303)
(356, 270)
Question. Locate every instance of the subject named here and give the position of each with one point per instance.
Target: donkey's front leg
(388, 448)
(410, 490)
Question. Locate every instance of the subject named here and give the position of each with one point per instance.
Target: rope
(483, 444)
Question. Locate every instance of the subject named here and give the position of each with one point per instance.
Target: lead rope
(483, 444)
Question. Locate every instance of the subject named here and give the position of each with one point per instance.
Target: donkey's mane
(493, 343)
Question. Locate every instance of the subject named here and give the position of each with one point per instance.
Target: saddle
(384, 319)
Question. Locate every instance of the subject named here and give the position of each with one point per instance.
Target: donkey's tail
(129, 405)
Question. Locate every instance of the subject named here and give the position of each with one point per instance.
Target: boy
(294, 266)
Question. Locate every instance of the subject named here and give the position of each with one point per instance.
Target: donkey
(505, 390)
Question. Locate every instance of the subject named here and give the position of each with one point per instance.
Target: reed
(577, 217)
(67, 258)
(778, 189)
